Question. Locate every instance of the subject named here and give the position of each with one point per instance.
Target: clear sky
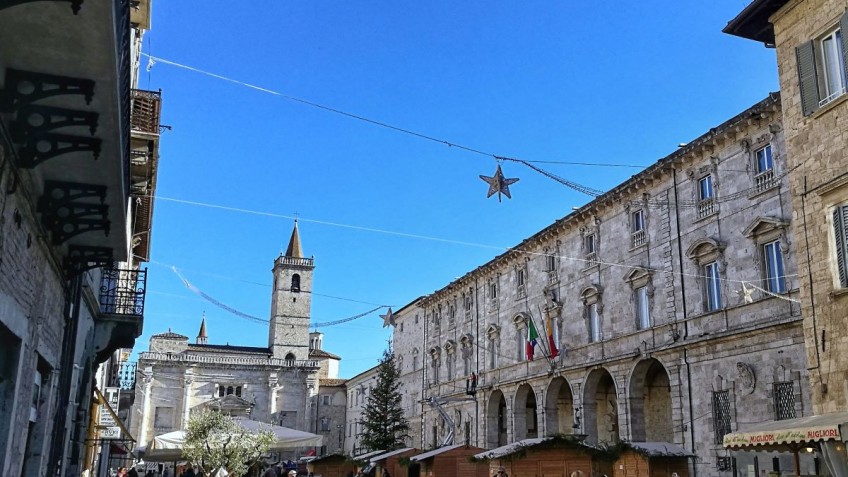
(578, 81)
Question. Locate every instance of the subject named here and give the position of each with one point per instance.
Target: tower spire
(294, 250)
(201, 335)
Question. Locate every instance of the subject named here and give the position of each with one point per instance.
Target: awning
(660, 449)
(382, 457)
(789, 432)
(368, 455)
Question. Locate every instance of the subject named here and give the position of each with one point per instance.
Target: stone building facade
(671, 301)
(358, 389)
(810, 38)
(278, 384)
(75, 220)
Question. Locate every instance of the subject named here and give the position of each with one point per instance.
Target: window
(416, 319)
(775, 280)
(520, 344)
(466, 361)
(637, 228)
(594, 323)
(706, 197)
(821, 68)
(325, 424)
(712, 288)
(493, 352)
(451, 312)
(469, 302)
(520, 278)
(643, 313)
(449, 365)
(326, 400)
(295, 285)
(764, 159)
(590, 243)
(840, 229)
(550, 263)
(415, 359)
(721, 415)
(784, 401)
(238, 391)
(493, 290)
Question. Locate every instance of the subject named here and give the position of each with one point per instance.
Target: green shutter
(840, 229)
(805, 54)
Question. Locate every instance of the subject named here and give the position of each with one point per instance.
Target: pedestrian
(292, 473)
(132, 472)
(502, 472)
(190, 472)
(270, 472)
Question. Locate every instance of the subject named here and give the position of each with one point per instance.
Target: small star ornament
(498, 184)
(388, 318)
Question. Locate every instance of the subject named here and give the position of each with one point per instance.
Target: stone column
(147, 380)
(188, 379)
(273, 385)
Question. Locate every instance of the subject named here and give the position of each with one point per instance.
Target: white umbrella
(169, 447)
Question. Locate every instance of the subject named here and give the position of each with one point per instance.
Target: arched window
(295, 287)
(238, 391)
(229, 390)
(290, 357)
(221, 391)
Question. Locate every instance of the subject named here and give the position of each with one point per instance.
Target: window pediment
(435, 352)
(450, 346)
(639, 277)
(591, 294)
(520, 320)
(493, 331)
(466, 340)
(704, 250)
(766, 227)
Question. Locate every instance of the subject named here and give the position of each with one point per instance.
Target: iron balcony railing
(122, 291)
(146, 106)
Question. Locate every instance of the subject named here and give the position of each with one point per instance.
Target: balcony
(706, 208)
(297, 261)
(764, 181)
(120, 321)
(146, 107)
(639, 238)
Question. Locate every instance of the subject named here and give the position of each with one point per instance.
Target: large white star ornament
(388, 318)
(498, 184)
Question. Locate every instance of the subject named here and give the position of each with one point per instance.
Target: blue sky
(572, 81)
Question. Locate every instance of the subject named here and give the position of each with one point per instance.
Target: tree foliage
(385, 427)
(215, 440)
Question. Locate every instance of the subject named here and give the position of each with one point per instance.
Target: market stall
(652, 459)
(447, 461)
(542, 456)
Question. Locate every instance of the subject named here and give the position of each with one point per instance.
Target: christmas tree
(385, 427)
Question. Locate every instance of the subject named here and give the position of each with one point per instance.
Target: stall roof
(434, 452)
(511, 448)
(790, 431)
(381, 457)
(368, 455)
(660, 449)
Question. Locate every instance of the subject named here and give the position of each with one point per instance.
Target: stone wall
(816, 147)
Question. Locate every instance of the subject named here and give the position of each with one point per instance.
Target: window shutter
(843, 26)
(807, 78)
(840, 229)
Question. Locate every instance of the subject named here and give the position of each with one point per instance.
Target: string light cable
(573, 185)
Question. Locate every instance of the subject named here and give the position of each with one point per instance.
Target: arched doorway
(559, 408)
(496, 419)
(526, 417)
(600, 407)
(650, 403)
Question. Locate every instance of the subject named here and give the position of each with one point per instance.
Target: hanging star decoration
(388, 318)
(746, 293)
(498, 184)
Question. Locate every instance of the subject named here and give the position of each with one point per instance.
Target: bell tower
(291, 298)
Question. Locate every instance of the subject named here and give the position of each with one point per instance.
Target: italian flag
(532, 336)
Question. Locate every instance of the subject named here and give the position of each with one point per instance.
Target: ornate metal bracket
(81, 258)
(75, 4)
(35, 119)
(43, 146)
(65, 216)
(25, 87)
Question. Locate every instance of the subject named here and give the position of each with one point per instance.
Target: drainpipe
(66, 367)
(685, 321)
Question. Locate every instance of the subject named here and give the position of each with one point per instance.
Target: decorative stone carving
(747, 378)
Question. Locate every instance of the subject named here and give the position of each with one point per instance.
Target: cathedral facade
(278, 384)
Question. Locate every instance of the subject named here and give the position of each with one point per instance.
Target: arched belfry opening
(600, 407)
(650, 403)
(559, 408)
(496, 420)
(526, 418)
(295, 283)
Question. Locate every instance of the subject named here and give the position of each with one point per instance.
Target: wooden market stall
(448, 461)
(652, 459)
(333, 465)
(543, 456)
(393, 462)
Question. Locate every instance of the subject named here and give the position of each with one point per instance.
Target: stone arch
(559, 407)
(295, 283)
(496, 420)
(600, 407)
(650, 403)
(525, 413)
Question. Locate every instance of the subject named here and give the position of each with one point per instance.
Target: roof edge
(753, 22)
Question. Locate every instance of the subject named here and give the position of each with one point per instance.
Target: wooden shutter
(840, 229)
(805, 54)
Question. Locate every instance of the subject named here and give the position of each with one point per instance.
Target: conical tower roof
(294, 250)
(201, 335)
